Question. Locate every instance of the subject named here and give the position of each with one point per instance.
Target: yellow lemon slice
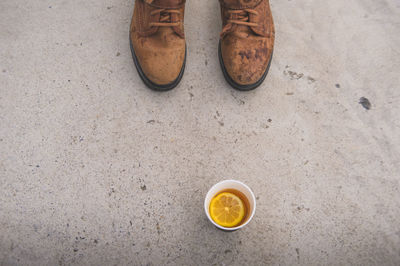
(227, 209)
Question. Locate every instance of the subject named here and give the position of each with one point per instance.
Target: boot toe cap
(162, 67)
(161, 63)
(245, 61)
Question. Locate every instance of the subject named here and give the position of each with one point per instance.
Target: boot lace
(165, 18)
(241, 17)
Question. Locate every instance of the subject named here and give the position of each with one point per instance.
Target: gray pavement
(95, 169)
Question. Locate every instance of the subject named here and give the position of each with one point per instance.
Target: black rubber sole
(233, 83)
(151, 84)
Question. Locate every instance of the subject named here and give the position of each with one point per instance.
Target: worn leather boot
(247, 42)
(158, 42)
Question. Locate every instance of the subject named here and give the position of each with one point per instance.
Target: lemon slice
(227, 209)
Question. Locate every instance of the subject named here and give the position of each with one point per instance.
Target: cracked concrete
(95, 169)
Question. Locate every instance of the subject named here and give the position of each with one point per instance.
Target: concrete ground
(96, 169)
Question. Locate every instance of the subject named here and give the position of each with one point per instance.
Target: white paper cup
(231, 184)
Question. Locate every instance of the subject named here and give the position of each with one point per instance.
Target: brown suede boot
(158, 42)
(247, 42)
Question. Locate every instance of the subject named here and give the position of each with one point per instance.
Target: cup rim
(206, 207)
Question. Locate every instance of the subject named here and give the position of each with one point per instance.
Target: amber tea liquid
(244, 199)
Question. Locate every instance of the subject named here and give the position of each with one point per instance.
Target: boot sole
(148, 82)
(236, 85)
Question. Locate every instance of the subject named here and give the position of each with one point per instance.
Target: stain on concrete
(365, 103)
